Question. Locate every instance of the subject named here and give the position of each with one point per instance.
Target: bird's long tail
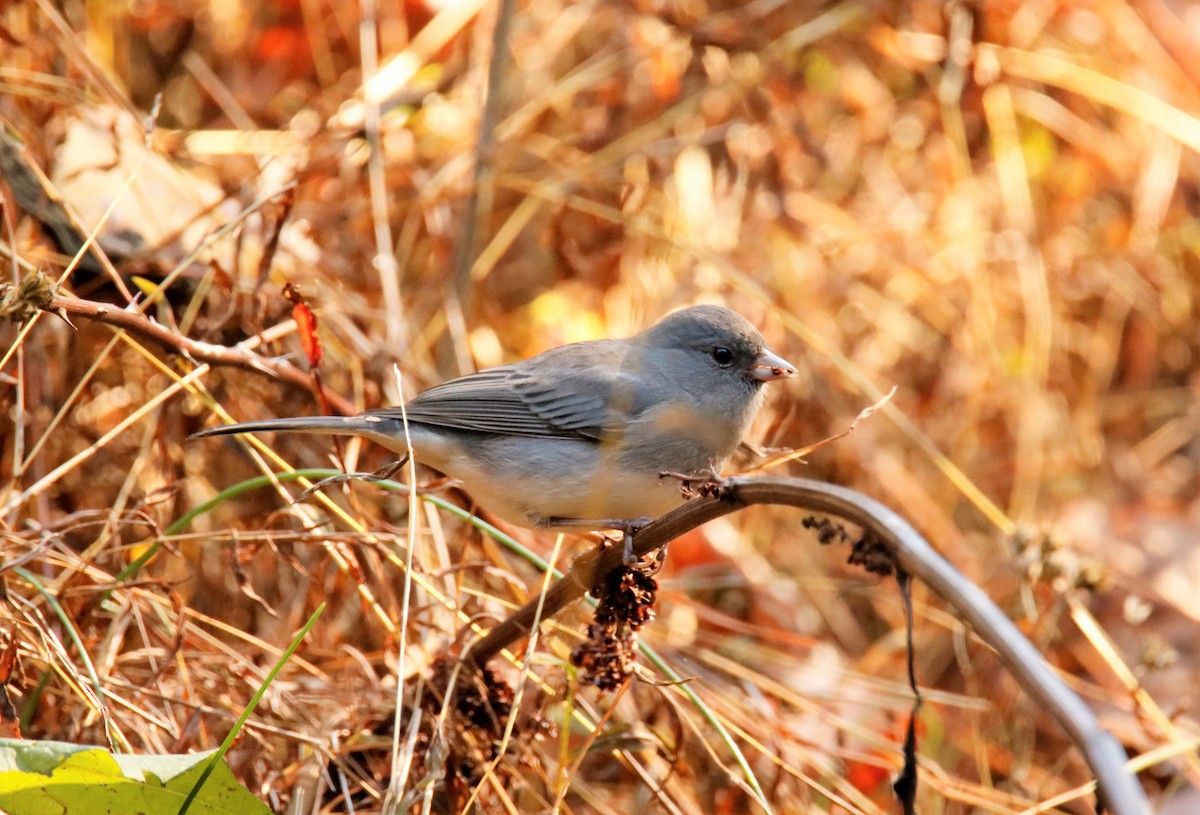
(333, 425)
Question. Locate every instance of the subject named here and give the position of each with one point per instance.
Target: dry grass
(993, 208)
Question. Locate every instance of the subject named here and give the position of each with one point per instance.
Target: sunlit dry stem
(1118, 787)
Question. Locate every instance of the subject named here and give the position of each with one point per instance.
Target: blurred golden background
(992, 207)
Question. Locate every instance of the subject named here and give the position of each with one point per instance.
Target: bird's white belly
(574, 480)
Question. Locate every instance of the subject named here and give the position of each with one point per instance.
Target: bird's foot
(628, 527)
(707, 483)
(629, 558)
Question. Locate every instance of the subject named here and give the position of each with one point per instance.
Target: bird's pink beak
(769, 367)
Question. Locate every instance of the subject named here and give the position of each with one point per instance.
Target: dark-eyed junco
(577, 436)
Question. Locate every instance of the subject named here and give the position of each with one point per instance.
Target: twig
(1118, 788)
(385, 254)
(146, 328)
(479, 203)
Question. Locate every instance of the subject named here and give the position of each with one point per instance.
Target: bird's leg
(707, 483)
(628, 530)
(628, 527)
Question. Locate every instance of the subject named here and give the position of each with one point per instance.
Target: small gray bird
(576, 437)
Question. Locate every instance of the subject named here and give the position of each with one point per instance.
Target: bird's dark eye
(722, 356)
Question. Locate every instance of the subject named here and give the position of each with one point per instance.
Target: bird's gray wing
(572, 392)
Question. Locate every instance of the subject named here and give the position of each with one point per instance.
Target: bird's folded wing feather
(571, 392)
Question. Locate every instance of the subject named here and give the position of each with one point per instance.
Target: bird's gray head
(718, 339)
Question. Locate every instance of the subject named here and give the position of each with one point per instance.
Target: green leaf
(56, 778)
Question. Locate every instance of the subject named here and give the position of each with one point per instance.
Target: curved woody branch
(1118, 787)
